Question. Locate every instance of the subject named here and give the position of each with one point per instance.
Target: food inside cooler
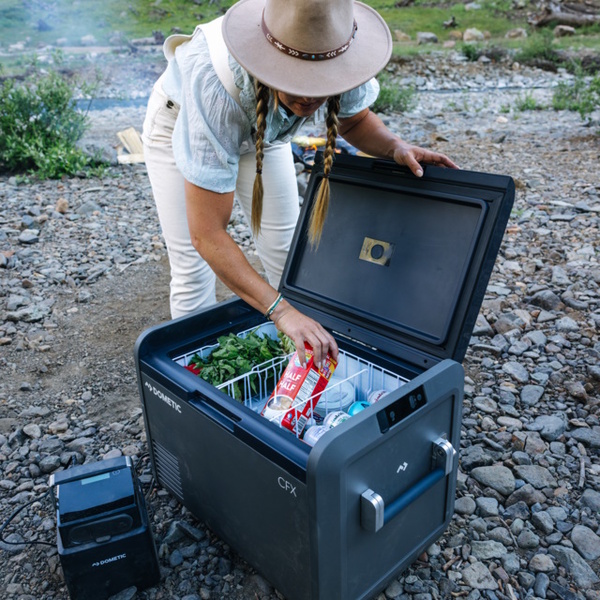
(236, 355)
(356, 383)
(298, 390)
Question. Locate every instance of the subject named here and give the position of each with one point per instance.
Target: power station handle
(374, 513)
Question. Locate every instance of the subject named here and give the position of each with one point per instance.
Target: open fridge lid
(403, 262)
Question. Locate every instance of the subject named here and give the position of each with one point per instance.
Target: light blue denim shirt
(213, 130)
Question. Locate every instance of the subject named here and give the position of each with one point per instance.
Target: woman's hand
(300, 329)
(367, 132)
(411, 156)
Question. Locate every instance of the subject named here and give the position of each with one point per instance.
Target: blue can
(356, 407)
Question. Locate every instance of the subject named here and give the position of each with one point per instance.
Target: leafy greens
(236, 356)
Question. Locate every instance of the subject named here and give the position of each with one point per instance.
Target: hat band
(307, 55)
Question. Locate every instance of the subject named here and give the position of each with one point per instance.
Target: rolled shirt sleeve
(359, 98)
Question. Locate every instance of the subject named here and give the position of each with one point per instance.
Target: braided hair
(263, 94)
(319, 210)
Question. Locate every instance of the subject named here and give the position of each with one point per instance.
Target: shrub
(581, 95)
(528, 102)
(473, 52)
(40, 125)
(392, 97)
(539, 48)
(470, 51)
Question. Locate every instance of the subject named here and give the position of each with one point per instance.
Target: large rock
(563, 31)
(426, 37)
(551, 427)
(591, 499)
(473, 35)
(518, 33)
(498, 478)
(401, 36)
(586, 542)
(589, 437)
(488, 549)
(538, 477)
(582, 573)
(478, 576)
(547, 300)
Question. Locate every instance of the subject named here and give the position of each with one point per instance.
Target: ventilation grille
(167, 470)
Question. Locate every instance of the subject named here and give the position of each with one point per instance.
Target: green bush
(40, 125)
(392, 97)
(581, 95)
(539, 47)
(470, 51)
(528, 102)
(473, 51)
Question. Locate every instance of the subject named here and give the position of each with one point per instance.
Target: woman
(219, 123)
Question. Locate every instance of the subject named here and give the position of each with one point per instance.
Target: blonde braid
(262, 106)
(319, 210)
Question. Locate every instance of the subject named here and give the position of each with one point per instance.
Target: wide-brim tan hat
(308, 48)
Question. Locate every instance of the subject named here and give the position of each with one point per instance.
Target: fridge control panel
(402, 408)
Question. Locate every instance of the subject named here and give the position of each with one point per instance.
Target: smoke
(58, 22)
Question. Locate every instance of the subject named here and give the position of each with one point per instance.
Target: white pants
(192, 280)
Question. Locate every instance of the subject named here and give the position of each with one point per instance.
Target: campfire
(304, 148)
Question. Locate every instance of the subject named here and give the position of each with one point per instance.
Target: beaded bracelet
(273, 306)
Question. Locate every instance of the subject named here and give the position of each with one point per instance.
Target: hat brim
(368, 54)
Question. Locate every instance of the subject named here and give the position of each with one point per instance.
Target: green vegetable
(235, 356)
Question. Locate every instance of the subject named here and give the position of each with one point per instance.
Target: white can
(376, 395)
(338, 395)
(335, 418)
(276, 408)
(314, 433)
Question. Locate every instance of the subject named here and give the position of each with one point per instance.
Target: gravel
(83, 272)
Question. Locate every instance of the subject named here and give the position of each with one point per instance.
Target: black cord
(150, 486)
(139, 463)
(15, 513)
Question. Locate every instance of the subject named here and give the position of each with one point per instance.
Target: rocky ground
(83, 272)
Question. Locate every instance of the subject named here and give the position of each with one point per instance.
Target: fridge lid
(403, 262)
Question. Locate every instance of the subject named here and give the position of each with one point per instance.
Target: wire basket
(353, 380)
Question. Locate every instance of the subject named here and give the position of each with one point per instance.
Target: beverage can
(356, 407)
(314, 433)
(277, 407)
(335, 418)
(376, 395)
(338, 395)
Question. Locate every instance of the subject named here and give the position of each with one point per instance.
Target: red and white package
(298, 391)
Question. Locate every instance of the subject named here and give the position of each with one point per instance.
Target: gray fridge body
(398, 277)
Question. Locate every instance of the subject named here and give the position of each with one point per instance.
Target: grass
(493, 17)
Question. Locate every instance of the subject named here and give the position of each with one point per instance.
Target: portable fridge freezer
(398, 278)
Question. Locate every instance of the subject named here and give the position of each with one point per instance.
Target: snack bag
(298, 390)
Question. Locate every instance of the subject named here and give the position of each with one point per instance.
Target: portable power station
(104, 540)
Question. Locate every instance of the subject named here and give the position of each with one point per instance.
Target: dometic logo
(107, 561)
(159, 394)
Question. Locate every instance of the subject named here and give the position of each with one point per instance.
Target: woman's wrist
(273, 306)
(283, 306)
